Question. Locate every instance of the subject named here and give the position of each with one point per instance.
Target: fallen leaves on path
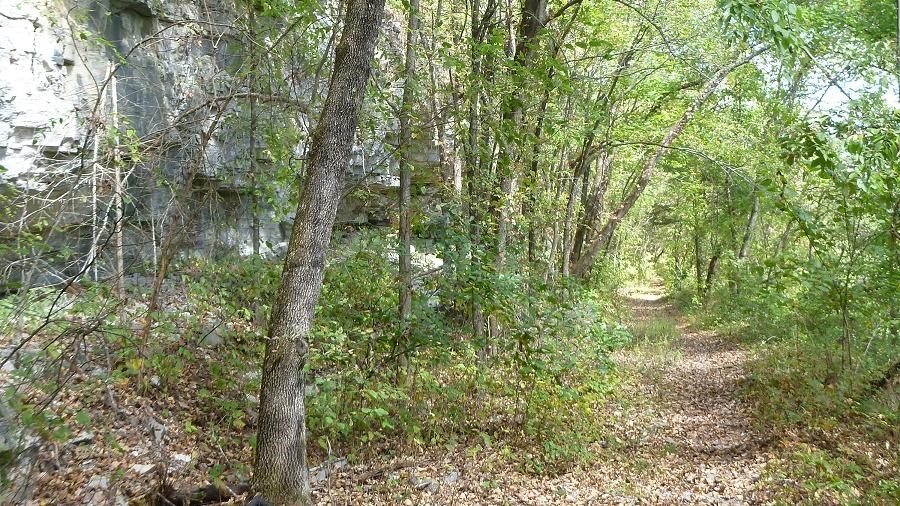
(680, 435)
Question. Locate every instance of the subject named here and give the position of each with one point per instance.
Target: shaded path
(689, 437)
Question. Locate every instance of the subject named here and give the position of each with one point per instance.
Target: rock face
(182, 110)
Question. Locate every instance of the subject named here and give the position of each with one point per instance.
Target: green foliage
(814, 293)
(769, 21)
(818, 476)
(554, 353)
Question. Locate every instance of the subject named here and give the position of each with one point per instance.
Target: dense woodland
(634, 209)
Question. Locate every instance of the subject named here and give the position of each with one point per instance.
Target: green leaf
(83, 418)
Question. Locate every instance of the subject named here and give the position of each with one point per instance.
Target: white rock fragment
(98, 482)
(181, 458)
(142, 468)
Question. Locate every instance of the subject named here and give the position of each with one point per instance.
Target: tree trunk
(585, 194)
(280, 472)
(473, 163)
(604, 103)
(534, 16)
(593, 204)
(118, 222)
(570, 214)
(405, 253)
(254, 113)
(710, 274)
(785, 238)
(554, 241)
(698, 262)
(894, 248)
(530, 203)
(585, 262)
(748, 234)
(528, 206)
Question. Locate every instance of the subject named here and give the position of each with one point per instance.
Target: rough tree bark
(280, 472)
(583, 265)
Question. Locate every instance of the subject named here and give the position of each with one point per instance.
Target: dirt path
(678, 434)
(688, 437)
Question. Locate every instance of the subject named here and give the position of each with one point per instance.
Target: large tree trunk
(405, 253)
(280, 472)
(586, 261)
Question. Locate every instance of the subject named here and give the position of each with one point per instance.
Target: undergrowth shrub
(801, 383)
(538, 384)
(535, 384)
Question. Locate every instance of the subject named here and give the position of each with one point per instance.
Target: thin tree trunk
(449, 163)
(698, 262)
(785, 238)
(570, 218)
(710, 274)
(534, 16)
(473, 163)
(95, 182)
(748, 234)
(554, 242)
(405, 232)
(894, 250)
(254, 193)
(604, 101)
(280, 472)
(585, 195)
(531, 198)
(746, 242)
(119, 194)
(585, 262)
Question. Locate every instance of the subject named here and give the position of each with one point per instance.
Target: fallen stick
(374, 473)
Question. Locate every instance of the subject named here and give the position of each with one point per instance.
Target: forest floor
(675, 429)
(678, 434)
